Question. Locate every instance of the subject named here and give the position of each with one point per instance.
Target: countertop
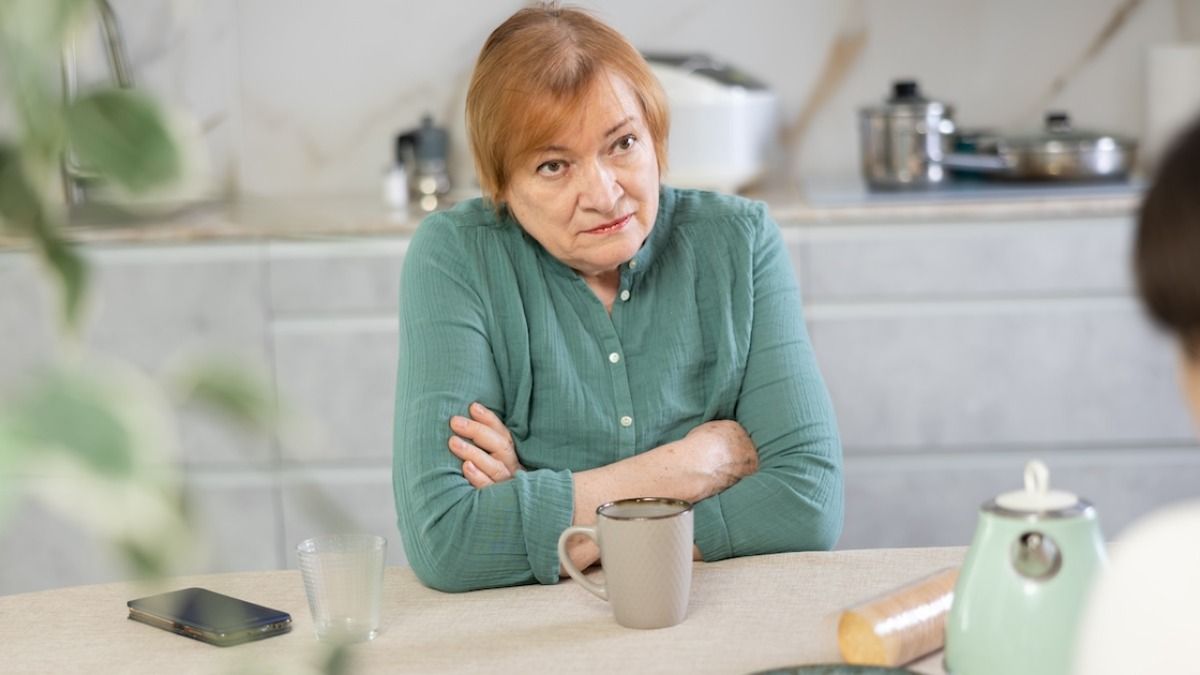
(745, 615)
(815, 205)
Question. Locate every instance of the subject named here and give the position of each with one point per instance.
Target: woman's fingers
(482, 435)
(487, 431)
(480, 460)
(484, 415)
(475, 477)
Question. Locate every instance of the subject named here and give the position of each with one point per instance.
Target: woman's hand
(485, 446)
(729, 452)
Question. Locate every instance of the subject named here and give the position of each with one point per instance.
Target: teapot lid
(1037, 497)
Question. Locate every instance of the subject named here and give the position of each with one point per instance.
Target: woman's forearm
(709, 459)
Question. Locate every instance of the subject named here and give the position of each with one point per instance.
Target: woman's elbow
(441, 575)
(828, 524)
(827, 532)
(440, 566)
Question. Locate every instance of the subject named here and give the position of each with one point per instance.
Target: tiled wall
(298, 98)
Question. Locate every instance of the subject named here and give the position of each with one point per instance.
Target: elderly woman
(584, 334)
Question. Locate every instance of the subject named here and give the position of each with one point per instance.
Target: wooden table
(746, 614)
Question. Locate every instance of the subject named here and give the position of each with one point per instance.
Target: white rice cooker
(724, 123)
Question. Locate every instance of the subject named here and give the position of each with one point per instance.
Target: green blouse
(707, 325)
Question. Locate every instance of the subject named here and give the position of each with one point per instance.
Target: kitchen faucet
(74, 177)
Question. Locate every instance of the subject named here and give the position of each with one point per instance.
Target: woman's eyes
(625, 142)
(552, 167)
(556, 167)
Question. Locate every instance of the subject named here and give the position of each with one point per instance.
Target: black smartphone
(210, 617)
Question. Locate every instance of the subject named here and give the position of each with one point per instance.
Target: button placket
(613, 351)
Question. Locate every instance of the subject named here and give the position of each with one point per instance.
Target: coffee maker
(423, 152)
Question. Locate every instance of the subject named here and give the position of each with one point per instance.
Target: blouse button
(626, 421)
(632, 264)
(625, 295)
(614, 357)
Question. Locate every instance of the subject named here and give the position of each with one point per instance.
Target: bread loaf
(901, 625)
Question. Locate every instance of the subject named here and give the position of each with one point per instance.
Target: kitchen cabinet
(954, 351)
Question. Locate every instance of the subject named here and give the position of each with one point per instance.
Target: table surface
(746, 614)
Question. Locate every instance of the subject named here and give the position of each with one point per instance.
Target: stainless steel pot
(905, 139)
(1060, 153)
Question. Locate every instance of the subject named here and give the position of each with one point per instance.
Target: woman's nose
(600, 189)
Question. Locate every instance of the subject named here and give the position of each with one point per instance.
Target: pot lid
(907, 100)
(1037, 497)
(1059, 136)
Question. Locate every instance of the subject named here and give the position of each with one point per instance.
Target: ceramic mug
(646, 551)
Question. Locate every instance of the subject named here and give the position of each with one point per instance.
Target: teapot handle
(1037, 477)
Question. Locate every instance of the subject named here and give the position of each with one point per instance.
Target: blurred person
(583, 334)
(1143, 612)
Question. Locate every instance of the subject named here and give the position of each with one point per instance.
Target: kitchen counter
(745, 615)
(818, 204)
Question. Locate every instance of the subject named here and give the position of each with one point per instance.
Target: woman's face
(1190, 381)
(590, 197)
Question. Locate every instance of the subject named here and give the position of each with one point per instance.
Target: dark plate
(835, 669)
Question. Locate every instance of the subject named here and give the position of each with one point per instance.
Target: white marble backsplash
(303, 98)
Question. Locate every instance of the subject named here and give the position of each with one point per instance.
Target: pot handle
(972, 162)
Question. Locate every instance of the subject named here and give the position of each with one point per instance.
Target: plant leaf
(337, 661)
(231, 389)
(20, 205)
(70, 413)
(124, 136)
(38, 21)
(72, 273)
(32, 33)
(23, 208)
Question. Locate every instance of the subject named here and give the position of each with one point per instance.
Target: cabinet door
(334, 338)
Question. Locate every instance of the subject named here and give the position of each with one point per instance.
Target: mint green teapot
(1022, 588)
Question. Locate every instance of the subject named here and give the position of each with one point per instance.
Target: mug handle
(590, 532)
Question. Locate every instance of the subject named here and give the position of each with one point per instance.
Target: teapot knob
(1037, 477)
(1035, 555)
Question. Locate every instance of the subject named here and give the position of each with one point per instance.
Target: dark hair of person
(1167, 247)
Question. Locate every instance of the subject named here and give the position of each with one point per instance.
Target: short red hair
(530, 79)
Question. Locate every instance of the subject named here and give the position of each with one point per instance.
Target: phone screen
(212, 617)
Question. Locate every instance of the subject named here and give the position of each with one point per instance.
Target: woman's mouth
(610, 227)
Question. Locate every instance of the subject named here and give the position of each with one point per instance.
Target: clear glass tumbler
(343, 578)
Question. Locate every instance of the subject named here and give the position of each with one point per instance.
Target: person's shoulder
(707, 215)
(460, 220)
(1162, 528)
(706, 206)
(465, 220)
(1143, 604)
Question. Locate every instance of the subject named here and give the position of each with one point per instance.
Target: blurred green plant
(119, 135)
(94, 438)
